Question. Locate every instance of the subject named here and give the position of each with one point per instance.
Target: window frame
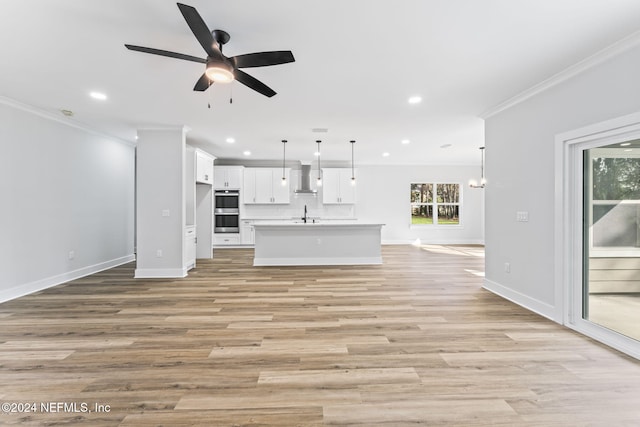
(435, 204)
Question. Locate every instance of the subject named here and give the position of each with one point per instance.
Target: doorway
(611, 237)
(597, 210)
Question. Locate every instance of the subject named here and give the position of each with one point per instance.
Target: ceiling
(357, 63)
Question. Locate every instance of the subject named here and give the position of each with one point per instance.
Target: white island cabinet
(337, 243)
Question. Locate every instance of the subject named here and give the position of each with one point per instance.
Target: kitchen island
(330, 243)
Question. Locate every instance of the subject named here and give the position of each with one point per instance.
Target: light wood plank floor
(413, 341)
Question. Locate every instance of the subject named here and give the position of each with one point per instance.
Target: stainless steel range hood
(305, 180)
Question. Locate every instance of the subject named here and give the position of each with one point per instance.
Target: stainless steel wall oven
(226, 211)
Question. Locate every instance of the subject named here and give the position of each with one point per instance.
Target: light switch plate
(522, 216)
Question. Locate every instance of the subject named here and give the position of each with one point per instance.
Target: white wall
(520, 172)
(63, 189)
(161, 208)
(382, 195)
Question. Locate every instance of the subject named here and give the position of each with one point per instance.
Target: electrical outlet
(159, 253)
(166, 212)
(522, 216)
(72, 254)
(507, 267)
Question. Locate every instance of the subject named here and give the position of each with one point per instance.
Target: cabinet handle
(206, 177)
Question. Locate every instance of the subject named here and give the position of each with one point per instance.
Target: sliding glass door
(611, 237)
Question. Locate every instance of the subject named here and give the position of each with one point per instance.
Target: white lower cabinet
(247, 236)
(190, 247)
(226, 239)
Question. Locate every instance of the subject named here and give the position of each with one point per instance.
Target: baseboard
(531, 304)
(434, 242)
(384, 242)
(160, 273)
(39, 285)
(317, 261)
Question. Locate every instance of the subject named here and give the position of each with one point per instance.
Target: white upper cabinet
(227, 177)
(264, 186)
(337, 188)
(204, 167)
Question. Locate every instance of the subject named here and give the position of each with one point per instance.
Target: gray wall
(383, 196)
(63, 189)
(520, 172)
(161, 208)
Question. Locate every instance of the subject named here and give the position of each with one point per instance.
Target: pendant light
(473, 183)
(353, 174)
(284, 152)
(319, 181)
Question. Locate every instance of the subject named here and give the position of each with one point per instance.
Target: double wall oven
(227, 211)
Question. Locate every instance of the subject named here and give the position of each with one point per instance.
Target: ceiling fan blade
(165, 53)
(253, 83)
(199, 28)
(262, 59)
(203, 83)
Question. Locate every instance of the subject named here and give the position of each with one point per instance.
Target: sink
(309, 221)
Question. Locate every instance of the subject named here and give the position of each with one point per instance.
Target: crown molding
(180, 128)
(64, 120)
(599, 57)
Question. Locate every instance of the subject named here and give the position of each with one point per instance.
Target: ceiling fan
(220, 68)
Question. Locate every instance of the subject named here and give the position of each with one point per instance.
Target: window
(613, 193)
(439, 207)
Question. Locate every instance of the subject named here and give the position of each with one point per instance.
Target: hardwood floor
(413, 341)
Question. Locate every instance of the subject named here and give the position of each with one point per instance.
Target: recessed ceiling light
(405, 141)
(246, 153)
(230, 140)
(385, 154)
(445, 146)
(98, 95)
(625, 144)
(415, 99)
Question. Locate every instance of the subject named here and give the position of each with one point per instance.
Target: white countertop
(294, 218)
(320, 224)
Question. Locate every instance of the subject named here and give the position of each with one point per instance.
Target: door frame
(568, 233)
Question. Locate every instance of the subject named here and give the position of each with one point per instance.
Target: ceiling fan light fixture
(219, 72)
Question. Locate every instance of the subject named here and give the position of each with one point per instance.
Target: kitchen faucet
(304, 218)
